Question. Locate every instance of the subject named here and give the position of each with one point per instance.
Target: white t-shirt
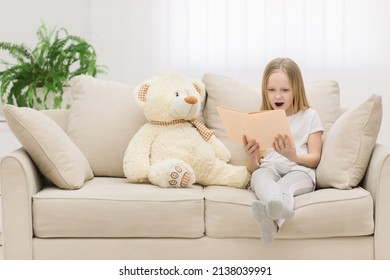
(302, 124)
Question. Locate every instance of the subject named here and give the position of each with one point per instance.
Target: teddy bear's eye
(177, 94)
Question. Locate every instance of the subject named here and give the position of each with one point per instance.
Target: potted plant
(57, 57)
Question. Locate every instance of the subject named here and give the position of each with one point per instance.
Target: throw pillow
(102, 120)
(348, 145)
(55, 155)
(323, 96)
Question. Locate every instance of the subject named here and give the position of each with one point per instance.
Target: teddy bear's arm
(136, 162)
(220, 149)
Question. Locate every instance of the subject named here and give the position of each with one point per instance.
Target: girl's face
(279, 92)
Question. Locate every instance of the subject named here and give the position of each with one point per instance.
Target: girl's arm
(283, 146)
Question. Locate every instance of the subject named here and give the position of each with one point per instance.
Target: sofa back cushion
(323, 96)
(102, 120)
(227, 92)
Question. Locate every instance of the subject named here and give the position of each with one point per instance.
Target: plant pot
(67, 99)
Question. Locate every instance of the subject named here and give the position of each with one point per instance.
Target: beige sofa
(104, 217)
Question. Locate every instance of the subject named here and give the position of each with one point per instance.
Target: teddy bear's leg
(229, 175)
(171, 173)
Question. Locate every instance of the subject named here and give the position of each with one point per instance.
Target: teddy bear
(174, 148)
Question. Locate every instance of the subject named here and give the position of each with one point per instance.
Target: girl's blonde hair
(294, 75)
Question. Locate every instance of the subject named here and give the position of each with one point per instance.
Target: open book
(263, 126)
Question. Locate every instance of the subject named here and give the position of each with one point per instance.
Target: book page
(263, 126)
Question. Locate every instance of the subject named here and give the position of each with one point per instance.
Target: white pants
(270, 185)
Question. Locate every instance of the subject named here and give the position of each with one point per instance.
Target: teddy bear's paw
(180, 178)
(172, 174)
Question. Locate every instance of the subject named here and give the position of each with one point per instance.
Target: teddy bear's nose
(191, 99)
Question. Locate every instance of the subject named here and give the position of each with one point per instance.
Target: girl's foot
(277, 210)
(268, 227)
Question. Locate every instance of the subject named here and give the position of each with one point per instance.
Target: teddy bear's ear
(199, 87)
(141, 93)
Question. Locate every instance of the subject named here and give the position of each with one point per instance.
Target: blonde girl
(288, 169)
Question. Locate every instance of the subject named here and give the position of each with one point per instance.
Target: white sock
(268, 227)
(277, 210)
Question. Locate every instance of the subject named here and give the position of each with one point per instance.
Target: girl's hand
(283, 146)
(252, 149)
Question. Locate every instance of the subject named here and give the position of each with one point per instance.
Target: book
(263, 126)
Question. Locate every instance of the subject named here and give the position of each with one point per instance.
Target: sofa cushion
(323, 96)
(112, 207)
(102, 120)
(56, 156)
(348, 146)
(228, 213)
(60, 116)
(227, 92)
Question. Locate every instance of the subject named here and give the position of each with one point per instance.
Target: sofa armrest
(19, 181)
(377, 182)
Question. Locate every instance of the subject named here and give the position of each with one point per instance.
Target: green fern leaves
(56, 58)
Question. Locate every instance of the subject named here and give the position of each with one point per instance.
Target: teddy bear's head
(170, 96)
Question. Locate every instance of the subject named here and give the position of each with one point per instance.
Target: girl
(288, 169)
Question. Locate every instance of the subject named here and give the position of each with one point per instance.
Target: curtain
(329, 39)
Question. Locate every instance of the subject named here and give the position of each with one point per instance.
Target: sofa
(64, 194)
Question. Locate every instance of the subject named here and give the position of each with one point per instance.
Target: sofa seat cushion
(112, 207)
(322, 213)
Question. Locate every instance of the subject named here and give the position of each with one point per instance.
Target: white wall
(21, 18)
(343, 40)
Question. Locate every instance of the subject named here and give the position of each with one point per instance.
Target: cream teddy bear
(174, 149)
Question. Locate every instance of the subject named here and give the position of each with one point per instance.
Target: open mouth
(279, 104)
